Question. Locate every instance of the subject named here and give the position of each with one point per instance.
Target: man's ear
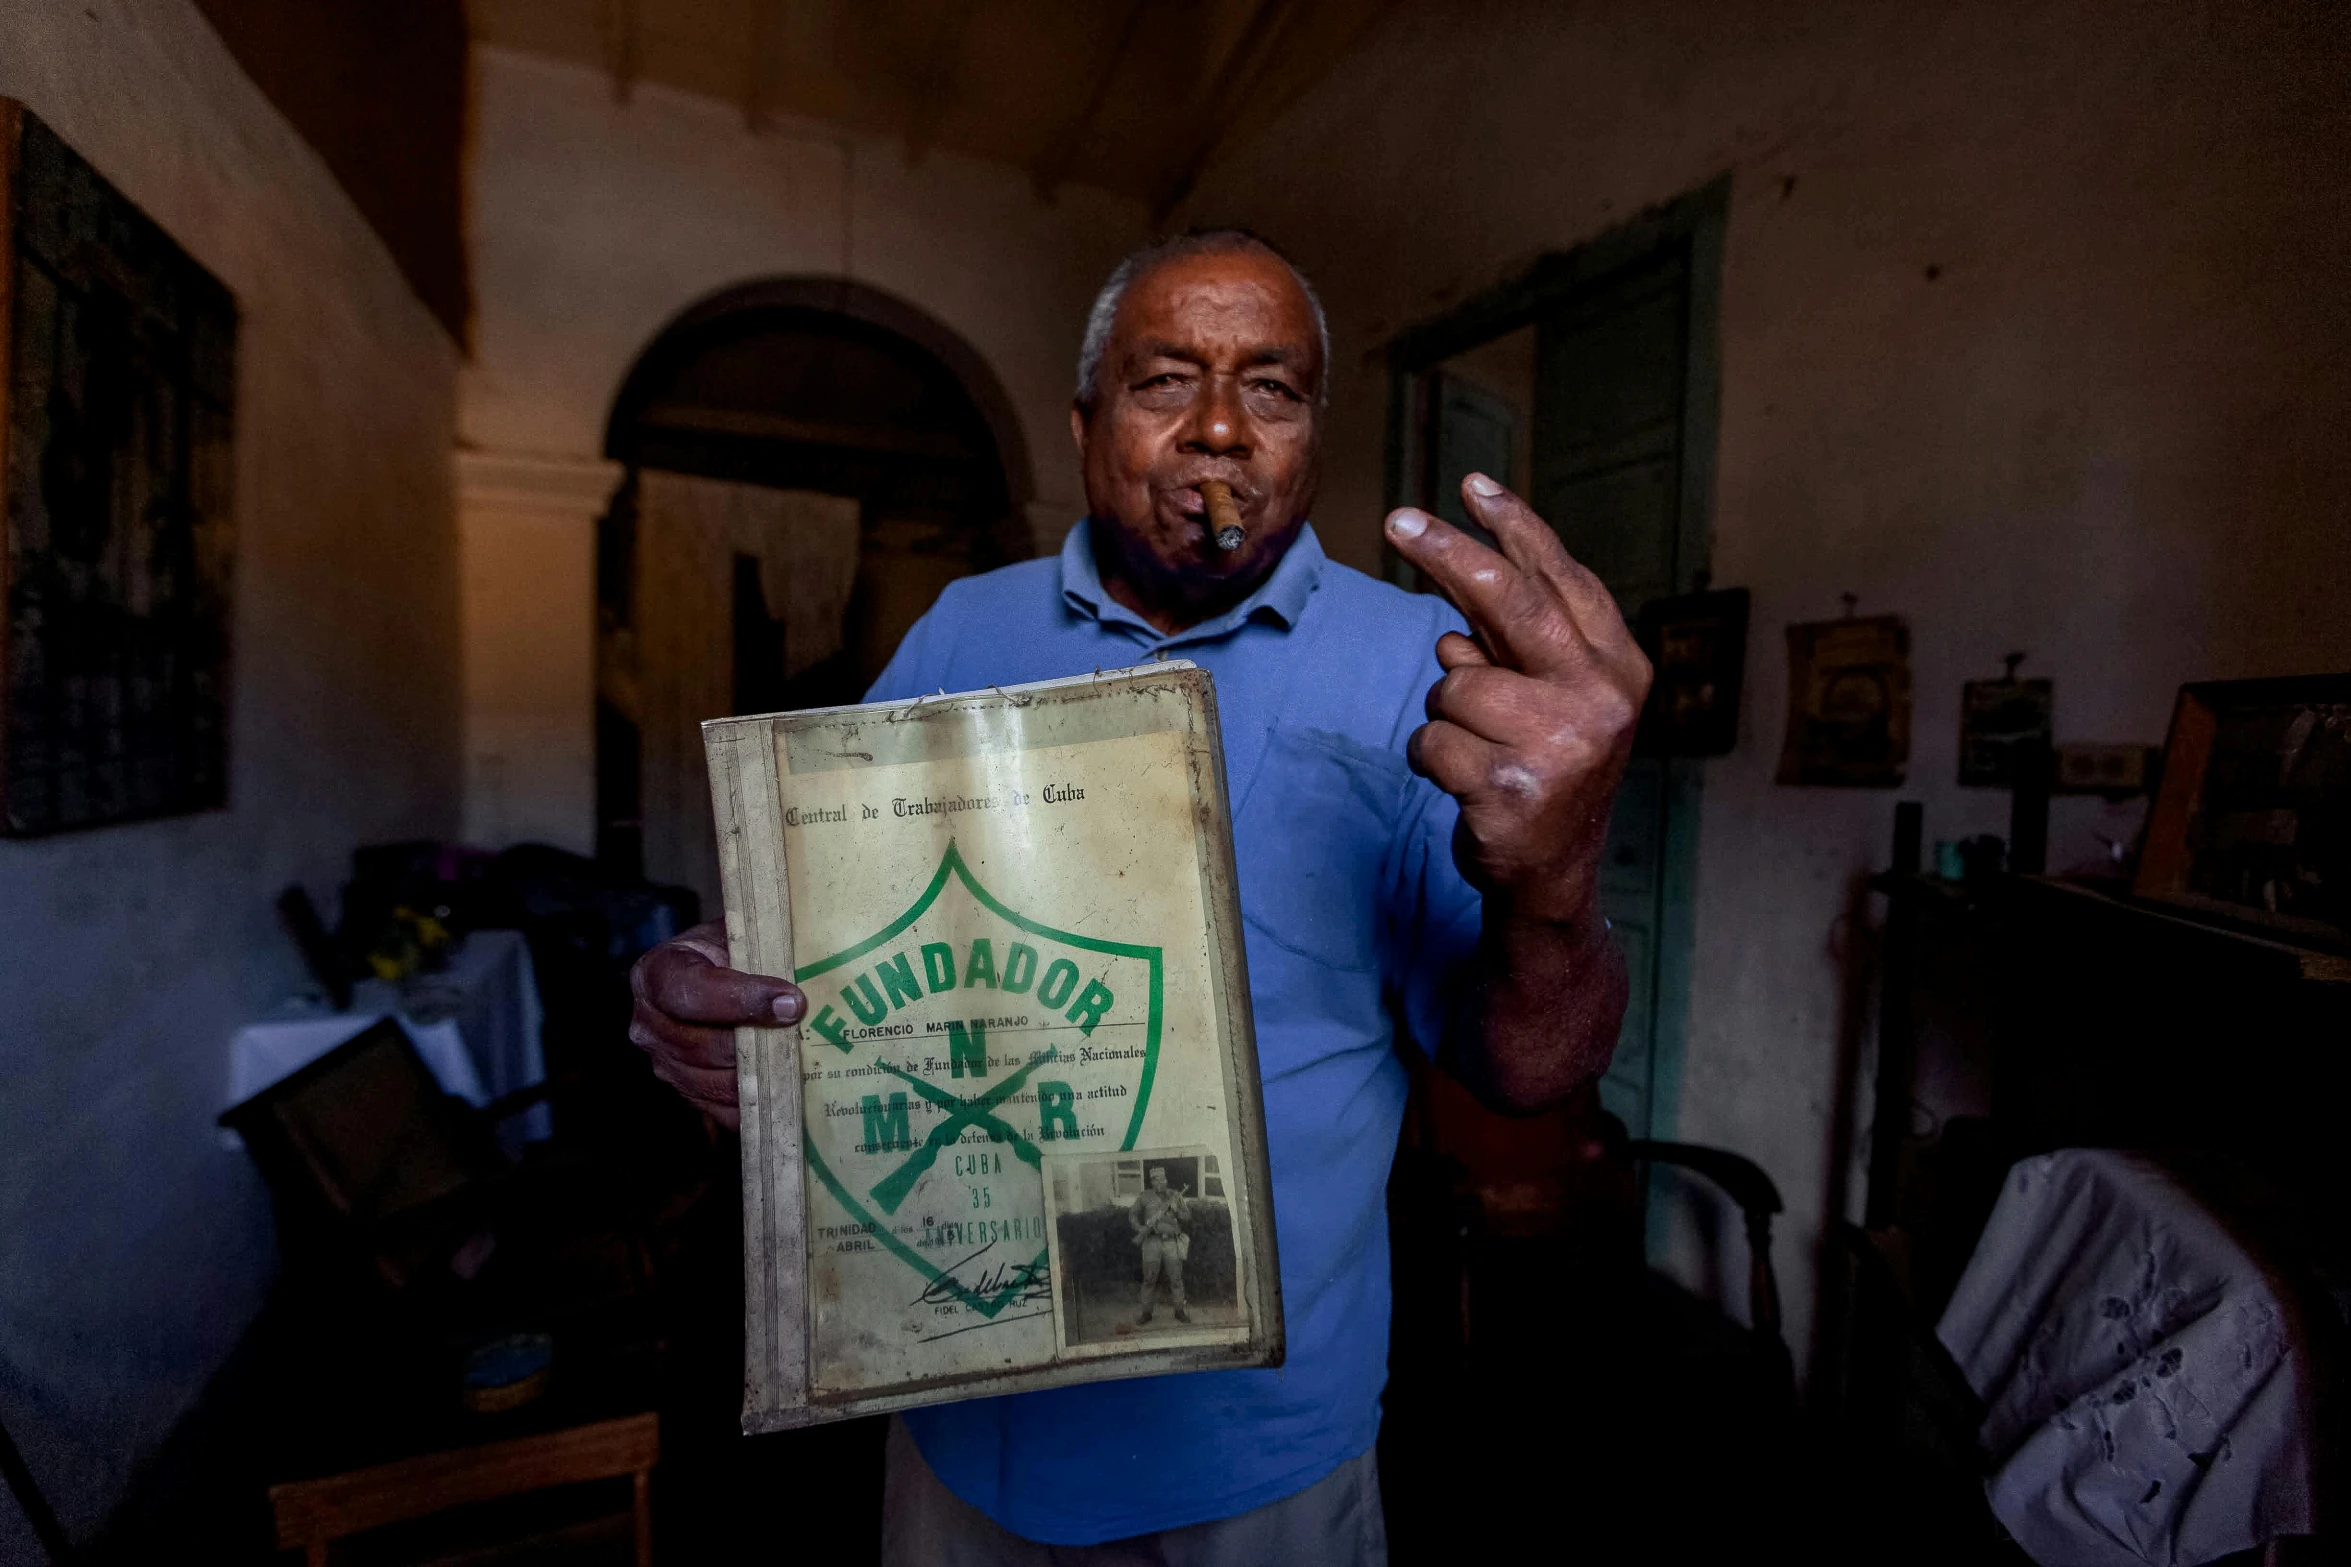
(1077, 427)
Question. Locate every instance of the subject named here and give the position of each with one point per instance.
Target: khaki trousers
(1334, 1522)
(1163, 1255)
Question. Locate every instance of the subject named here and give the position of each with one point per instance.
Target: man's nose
(1219, 425)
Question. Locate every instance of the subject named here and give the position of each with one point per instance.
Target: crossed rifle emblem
(891, 1190)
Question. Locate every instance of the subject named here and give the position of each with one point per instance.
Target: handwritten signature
(1033, 1279)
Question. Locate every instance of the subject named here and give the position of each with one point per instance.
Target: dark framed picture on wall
(1697, 644)
(1995, 718)
(1848, 703)
(117, 382)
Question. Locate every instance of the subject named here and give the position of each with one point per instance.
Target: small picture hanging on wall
(117, 375)
(1697, 643)
(2113, 771)
(1997, 716)
(1848, 702)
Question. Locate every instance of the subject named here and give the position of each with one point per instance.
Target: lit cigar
(1223, 514)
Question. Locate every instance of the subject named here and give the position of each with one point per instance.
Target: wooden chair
(364, 1150)
(1538, 1362)
(1567, 1183)
(1744, 1182)
(313, 1514)
(372, 1165)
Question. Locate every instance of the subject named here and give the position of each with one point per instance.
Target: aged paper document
(1017, 1142)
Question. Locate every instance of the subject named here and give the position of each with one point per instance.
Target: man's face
(1159, 1180)
(1212, 372)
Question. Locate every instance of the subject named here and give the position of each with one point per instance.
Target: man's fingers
(700, 1084)
(1525, 539)
(693, 1043)
(688, 1005)
(1455, 651)
(1450, 757)
(1519, 618)
(1500, 705)
(712, 1094)
(708, 938)
(679, 981)
(1534, 546)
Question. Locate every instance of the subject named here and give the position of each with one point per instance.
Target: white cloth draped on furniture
(476, 1021)
(2147, 1384)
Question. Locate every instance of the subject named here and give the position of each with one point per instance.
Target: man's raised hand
(1532, 722)
(689, 1004)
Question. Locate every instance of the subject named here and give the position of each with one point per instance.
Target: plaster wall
(133, 1248)
(594, 223)
(2033, 329)
(527, 556)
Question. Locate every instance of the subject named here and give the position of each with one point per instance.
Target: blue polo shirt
(1352, 911)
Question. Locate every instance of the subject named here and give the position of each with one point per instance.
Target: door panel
(1611, 385)
(1626, 1088)
(1612, 365)
(1631, 887)
(1619, 522)
(676, 662)
(1476, 432)
(1628, 866)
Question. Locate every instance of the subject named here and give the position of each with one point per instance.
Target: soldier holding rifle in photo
(1158, 1220)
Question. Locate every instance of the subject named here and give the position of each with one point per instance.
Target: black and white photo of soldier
(1158, 1220)
(1145, 1245)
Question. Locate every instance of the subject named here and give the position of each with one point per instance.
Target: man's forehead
(1222, 293)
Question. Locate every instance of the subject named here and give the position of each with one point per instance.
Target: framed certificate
(1017, 1142)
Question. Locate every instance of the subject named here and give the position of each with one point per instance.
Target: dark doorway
(773, 394)
(840, 391)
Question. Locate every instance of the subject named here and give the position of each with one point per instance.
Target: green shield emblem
(949, 1053)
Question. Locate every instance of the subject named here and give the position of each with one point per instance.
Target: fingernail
(1408, 524)
(786, 1008)
(1479, 484)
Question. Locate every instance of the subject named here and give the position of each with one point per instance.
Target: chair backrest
(1743, 1181)
(365, 1137)
(311, 1514)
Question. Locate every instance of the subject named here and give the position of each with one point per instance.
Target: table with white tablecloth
(476, 1022)
(2147, 1381)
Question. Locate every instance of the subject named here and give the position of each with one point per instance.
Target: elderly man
(1463, 899)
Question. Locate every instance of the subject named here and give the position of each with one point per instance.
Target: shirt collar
(1281, 597)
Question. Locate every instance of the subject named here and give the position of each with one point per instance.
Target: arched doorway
(808, 464)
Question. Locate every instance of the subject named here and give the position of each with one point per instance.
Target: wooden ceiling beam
(1061, 154)
(764, 65)
(936, 76)
(1234, 79)
(621, 49)
(940, 445)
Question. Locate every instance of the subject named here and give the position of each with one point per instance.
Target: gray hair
(1197, 242)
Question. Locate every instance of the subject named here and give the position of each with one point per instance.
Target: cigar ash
(1223, 515)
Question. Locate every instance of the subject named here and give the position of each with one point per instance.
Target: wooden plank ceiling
(1134, 96)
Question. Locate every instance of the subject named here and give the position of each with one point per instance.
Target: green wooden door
(1611, 388)
(1476, 433)
(1622, 448)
